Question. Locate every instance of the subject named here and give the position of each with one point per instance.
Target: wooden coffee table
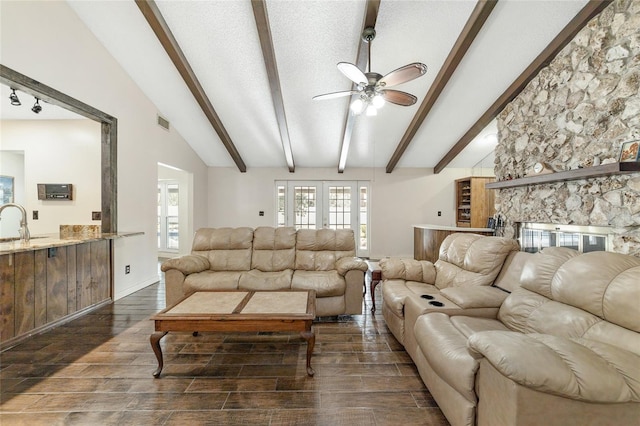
(239, 311)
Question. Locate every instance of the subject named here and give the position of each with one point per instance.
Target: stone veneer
(577, 110)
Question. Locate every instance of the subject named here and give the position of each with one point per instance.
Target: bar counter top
(427, 239)
(452, 228)
(44, 241)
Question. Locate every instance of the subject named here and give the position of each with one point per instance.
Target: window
(168, 201)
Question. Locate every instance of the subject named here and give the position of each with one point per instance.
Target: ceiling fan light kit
(372, 87)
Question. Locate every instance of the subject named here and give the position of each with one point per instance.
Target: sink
(10, 239)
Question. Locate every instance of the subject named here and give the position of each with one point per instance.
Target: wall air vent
(163, 122)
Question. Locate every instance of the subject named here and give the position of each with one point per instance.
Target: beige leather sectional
(562, 348)
(268, 258)
(468, 264)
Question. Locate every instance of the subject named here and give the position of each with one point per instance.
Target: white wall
(57, 151)
(46, 41)
(399, 200)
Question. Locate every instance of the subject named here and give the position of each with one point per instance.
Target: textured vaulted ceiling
(221, 43)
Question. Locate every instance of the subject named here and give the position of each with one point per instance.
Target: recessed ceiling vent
(163, 122)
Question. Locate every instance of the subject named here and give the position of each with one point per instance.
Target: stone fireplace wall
(576, 112)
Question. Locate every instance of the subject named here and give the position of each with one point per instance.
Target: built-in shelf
(585, 173)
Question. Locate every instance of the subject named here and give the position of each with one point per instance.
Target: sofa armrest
(187, 264)
(346, 264)
(576, 368)
(408, 270)
(475, 297)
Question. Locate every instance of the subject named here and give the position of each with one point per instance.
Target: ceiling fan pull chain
(369, 60)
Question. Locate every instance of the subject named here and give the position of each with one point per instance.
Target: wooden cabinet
(42, 287)
(474, 203)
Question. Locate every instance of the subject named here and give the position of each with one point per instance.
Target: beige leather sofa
(467, 266)
(272, 259)
(563, 349)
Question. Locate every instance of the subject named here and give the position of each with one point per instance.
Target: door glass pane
(173, 198)
(363, 218)
(304, 207)
(339, 207)
(281, 214)
(159, 229)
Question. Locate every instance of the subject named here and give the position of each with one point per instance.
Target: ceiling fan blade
(352, 72)
(399, 98)
(403, 74)
(334, 95)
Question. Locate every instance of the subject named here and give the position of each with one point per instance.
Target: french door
(325, 204)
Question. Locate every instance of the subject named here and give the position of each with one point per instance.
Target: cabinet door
(25, 292)
(72, 279)
(83, 275)
(56, 283)
(40, 287)
(93, 273)
(7, 278)
(100, 271)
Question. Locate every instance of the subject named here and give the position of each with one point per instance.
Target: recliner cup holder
(427, 296)
(436, 303)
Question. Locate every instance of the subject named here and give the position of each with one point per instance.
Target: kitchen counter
(54, 278)
(428, 238)
(44, 241)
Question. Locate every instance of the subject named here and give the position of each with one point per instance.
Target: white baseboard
(136, 287)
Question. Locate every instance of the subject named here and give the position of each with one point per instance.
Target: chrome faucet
(24, 229)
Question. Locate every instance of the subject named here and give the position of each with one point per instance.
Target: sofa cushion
(471, 259)
(408, 269)
(579, 369)
(592, 295)
(529, 312)
(509, 277)
(325, 283)
(212, 280)
(443, 341)
(318, 249)
(259, 280)
(540, 269)
(228, 249)
(602, 283)
(273, 249)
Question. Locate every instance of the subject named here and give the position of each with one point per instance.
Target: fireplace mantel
(584, 173)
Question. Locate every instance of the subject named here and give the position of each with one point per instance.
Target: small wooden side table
(375, 275)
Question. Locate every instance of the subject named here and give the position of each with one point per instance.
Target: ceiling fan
(372, 87)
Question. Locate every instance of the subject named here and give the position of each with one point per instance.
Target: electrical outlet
(127, 269)
(96, 215)
(35, 215)
(439, 213)
(261, 213)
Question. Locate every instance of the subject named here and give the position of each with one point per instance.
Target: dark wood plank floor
(96, 370)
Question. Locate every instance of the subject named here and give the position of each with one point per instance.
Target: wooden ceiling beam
(591, 9)
(370, 18)
(268, 53)
(471, 29)
(159, 26)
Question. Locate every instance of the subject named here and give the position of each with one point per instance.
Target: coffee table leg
(310, 337)
(155, 345)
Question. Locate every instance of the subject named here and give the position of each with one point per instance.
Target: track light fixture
(36, 107)
(14, 98)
